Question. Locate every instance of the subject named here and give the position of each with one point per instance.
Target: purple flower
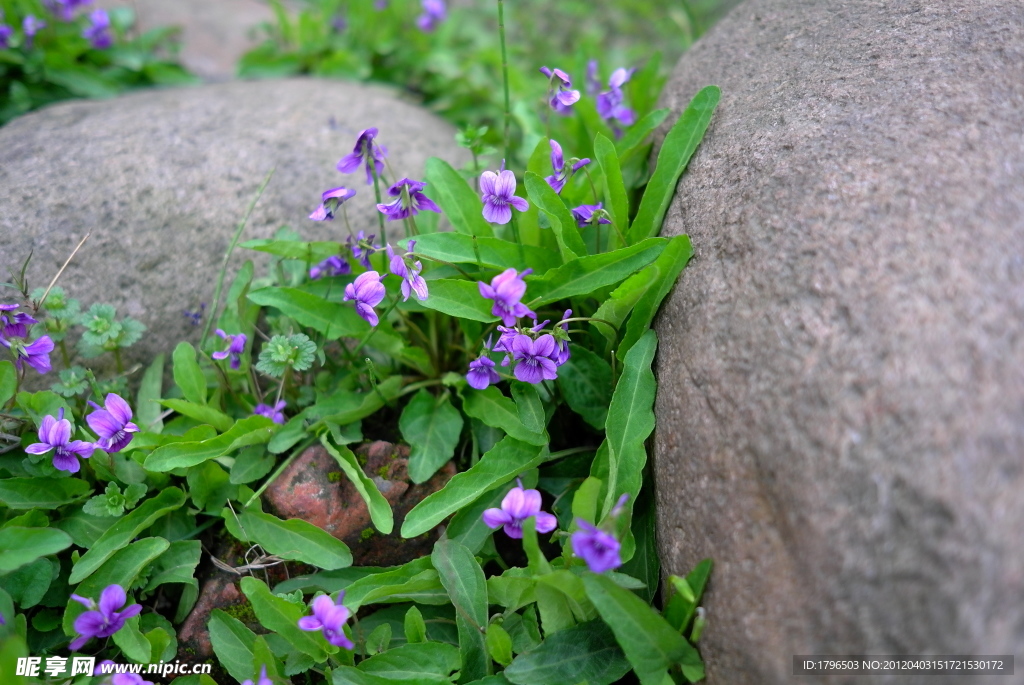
(236, 346)
(434, 13)
(409, 273)
(65, 9)
(55, 434)
(5, 36)
(610, 103)
(599, 549)
(498, 192)
(517, 506)
(332, 266)
(339, 23)
(263, 679)
(584, 215)
(562, 95)
(329, 617)
(330, 201)
(113, 423)
(536, 358)
(31, 26)
(275, 413)
(98, 31)
(593, 80)
(481, 373)
(128, 679)
(103, 620)
(16, 325)
(563, 345)
(362, 247)
(380, 5)
(507, 289)
(562, 173)
(367, 291)
(36, 353)
(197, 315)
(417, 201)
(366, 151)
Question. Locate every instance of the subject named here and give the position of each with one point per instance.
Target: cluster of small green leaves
(58, 63)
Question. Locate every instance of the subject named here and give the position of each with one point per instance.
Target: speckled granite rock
(161, 179)
(841, 400)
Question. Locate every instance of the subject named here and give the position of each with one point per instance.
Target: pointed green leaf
(669, 264)
(432, 427)
(187, 374)
(333, 319)
(460, 299)
(496, 410)
(529, 407)
(587, 274)
(586, 653)
(281, 616)
(203, 413)
(380, 510)
(252, 430)
(570, 244)
(232, 643)
(294, 539)
(460, 202)
(313, 252)
(41, 493)
(133, 643)
(614, 188)
(415, 628)
(493, 252)
(622, 301)
(639, 132)
(147, 409)
(679, 145)
(415, 580)
(499, 644)
(464, 580)
(499, 465)
(586, 383)
(20, 546)
(8, 381)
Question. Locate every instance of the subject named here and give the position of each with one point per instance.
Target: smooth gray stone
(841, 400)
(162, 178)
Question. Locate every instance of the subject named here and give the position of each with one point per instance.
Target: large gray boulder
(162, 178)
(841, 400)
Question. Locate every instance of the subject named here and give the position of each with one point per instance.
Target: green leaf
(496, 410)
(555, 612)
(682, 605)
(570, 244)
(586, 383)
(529, 407)
(458, 298)
(493, 252)
(209, 486)
(512, 589)
(8, 382)
(630, 421)
(415, 628)
(460, 202)
(281, 616)
(333, 319)
(415, 580)
(639, 132)
(20, 546)
(623, 299)
(499, 644)
(203, 413)
(464, 580)
(187, 374)
(313, 252)
(133, 643)
(252, 463)
(432, 427)
(423, 662)
(346, 407)
(176, 565)
(232, 643)
(467, 526)
(586, 653)
(644, 563)
(29, 584)
(649, 642)
(379, 639)
(614, 188)
(499, 465)
(679, 145)
(380, 510)
(585, 275)
(294, 539)
(251, 430)
(586, 501)
(668, 265)
(41, 493)
(125, 530)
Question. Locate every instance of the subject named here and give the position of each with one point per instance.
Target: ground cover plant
(509, 331)
(52, 50)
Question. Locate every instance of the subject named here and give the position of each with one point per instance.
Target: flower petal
(112, 598)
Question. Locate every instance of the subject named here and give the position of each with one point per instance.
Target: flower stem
(504, 75)
(376, 191)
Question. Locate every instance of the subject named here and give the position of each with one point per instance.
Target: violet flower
(562, 173)
(517, 506)
(196, 316)
(562, 95)
(103, 620)
(365, 152)
(536, 358)
(434, 12)
(274, 413)
(593, 80)
(55, 434)
(367, 291)
(263, 679)
(5, 36)
(31, 26)
(339, 23)
(65, 9)
(380, 5)
(36, 353)
(113, 423)
(236, 346)
(98, 30)
(599, 549)
(409, 272)
(563, 344)
(610, 103)
(585, 215)
(362, 247)
(481, 373)
(330, 201)
(417, 201)
(498, 193)
(14, 325)
(332, 266)
(330, 618)
(507, 289)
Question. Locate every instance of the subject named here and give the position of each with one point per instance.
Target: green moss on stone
(334, 476)
(367, 534)
(243, 612)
